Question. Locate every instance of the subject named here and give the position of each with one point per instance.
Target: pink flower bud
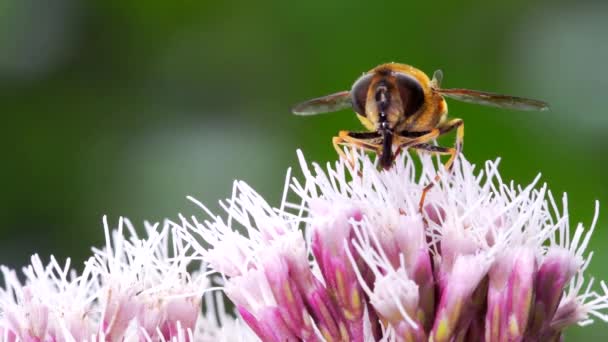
(510, 295)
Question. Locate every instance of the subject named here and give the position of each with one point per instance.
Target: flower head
(350, 256)
(54, 303)
(135, 289)
(483, 259)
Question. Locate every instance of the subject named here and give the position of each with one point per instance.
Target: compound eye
(359, 93)
(412, 95)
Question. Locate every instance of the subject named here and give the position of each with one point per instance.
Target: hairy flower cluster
(349, 256)
(132, 290)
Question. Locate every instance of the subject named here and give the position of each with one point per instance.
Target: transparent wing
(325, 104)
(437, 78)
(494, 100)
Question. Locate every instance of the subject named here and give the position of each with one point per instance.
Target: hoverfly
(402, 108)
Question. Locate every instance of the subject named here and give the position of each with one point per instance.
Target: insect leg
(453, 152)
(409, 139)
(442, 151)
(450, 125)
(359, 139)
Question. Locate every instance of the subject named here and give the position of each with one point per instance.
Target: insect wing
(494, 100)
(437, 78)
(325, 104)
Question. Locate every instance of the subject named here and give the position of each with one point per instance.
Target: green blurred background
(124, 107)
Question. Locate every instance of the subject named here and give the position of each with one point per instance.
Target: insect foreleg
(365, 140)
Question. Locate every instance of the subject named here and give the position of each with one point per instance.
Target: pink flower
(483, 260)
(347, 256)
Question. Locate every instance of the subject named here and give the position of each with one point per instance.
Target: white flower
(136, 289)
(54, 302)
(147, 280)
